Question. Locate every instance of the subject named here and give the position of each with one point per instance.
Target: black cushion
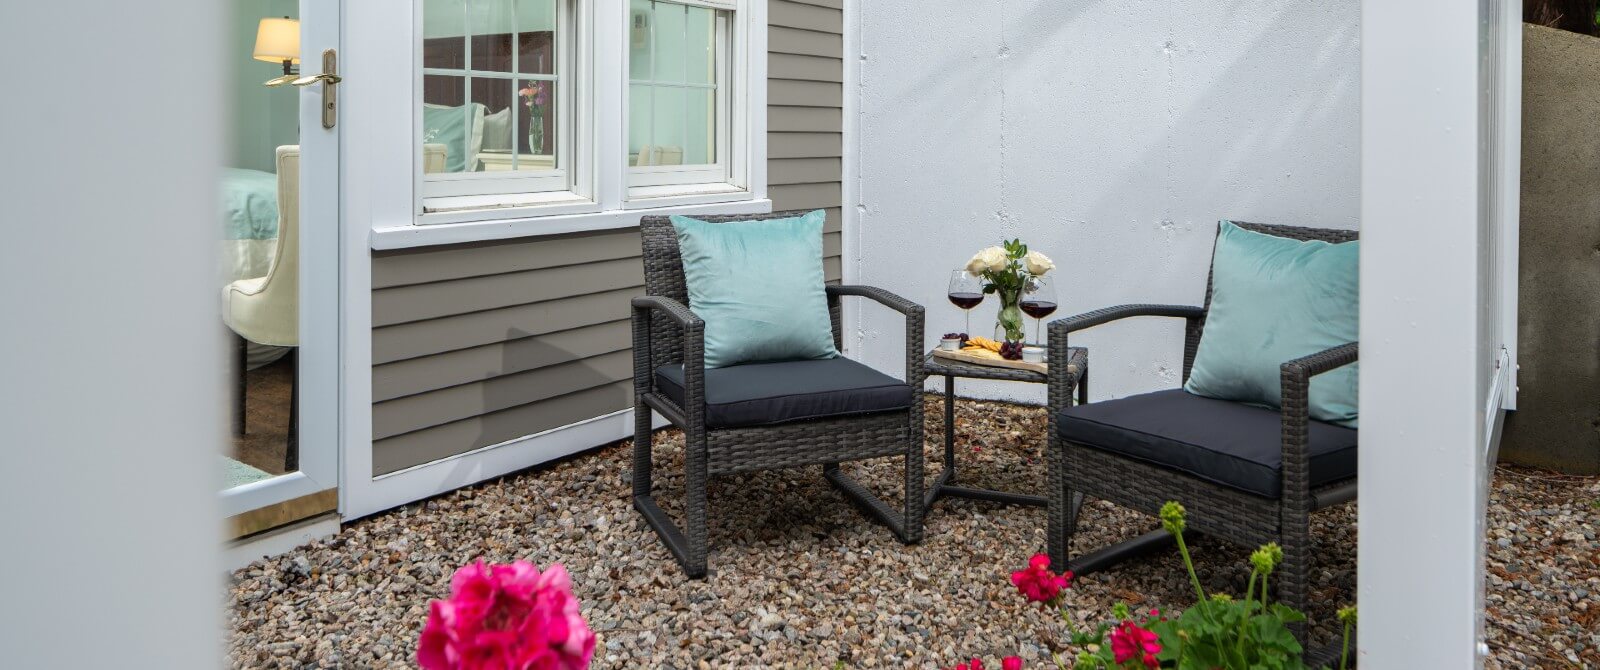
(756, 394)
(1225, 442)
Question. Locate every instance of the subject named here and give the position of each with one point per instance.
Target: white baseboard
(430, 479)
(239, 553)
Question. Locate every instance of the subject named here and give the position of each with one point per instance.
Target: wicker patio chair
(1246, 474)
(764, 416)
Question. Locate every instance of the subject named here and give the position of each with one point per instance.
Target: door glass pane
(489, 86)
(259, 244)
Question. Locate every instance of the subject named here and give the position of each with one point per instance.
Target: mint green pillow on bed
(1275, 299)
(759, 287)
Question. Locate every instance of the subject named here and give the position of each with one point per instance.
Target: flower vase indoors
(1006, 271)
(536, 99)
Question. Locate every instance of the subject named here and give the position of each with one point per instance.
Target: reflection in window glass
(673, 92)
(490, 85)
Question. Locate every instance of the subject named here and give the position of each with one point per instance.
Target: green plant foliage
(1218, 631)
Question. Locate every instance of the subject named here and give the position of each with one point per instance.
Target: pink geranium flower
(1011, 663)
(1038, 583)
(509, 617)
(1130, 642)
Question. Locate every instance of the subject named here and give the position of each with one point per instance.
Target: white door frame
(1439, 161)
(319, 217)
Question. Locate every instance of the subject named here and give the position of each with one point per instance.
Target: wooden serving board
(975, 359)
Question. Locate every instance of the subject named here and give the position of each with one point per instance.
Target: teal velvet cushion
(1274, 299)
(452, 127)
(759, 287)
(249, 204)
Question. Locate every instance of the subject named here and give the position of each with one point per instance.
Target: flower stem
(1344, 650)
(1188, 564)
(1249, 599)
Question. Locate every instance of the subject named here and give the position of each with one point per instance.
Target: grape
(1011, 351)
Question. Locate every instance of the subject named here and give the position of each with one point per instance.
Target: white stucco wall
(1109, 134)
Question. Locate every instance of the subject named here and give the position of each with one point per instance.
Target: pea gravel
(799, 578)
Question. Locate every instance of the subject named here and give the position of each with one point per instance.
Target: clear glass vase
(536, 134)
(1008, 322)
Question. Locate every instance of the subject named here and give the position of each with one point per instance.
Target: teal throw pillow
(759, 287)
(1275, 299)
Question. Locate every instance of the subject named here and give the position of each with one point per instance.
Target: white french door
(311, 465)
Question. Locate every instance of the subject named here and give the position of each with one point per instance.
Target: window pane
(671, 34)
(444, 32)
(536, 123)
(490, 140)
(673, 96)
(449, 125)
(668, 116)
(700, 134)
(639, 42)
(700, 47)
(639, 102)
(489, 95)
(536, 36)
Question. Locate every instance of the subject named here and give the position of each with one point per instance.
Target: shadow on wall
(1111, 136)
(1557, 422)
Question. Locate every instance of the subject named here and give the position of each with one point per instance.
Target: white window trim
(645, 181)
(465, 190)
(600, 198)
(536, 221)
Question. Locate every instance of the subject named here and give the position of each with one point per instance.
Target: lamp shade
(278, 40)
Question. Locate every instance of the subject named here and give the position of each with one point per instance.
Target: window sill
(514, 223)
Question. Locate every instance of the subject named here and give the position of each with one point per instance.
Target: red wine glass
(1038, 301)
(966, 291)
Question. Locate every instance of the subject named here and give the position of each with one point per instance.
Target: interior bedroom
(257, 259)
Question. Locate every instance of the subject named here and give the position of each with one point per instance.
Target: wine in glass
(1038, 301)
(966, 291)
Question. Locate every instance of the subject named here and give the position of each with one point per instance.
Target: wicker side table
(1078, 362)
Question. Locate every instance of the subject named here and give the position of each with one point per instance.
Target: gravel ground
(800, 579)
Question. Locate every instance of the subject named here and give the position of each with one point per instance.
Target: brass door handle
(325, 77)
(328, 79)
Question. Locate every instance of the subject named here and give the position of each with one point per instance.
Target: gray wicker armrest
(1058, 330)
(1102, 316)
(694, 348)
(1295, 377)
(914, 323)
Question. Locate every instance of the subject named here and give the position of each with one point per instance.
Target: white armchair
(266, 310)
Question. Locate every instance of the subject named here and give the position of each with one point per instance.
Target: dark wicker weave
(1244, 518)
(1077, 365)
(665, 331)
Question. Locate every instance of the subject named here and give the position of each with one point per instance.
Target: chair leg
(1291, 576)
(642, 436)
(696, 482)
(688, 548)
(912, 508)
(291, 447)
(1063, 524)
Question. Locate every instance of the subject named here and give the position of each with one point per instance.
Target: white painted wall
(1111, 135)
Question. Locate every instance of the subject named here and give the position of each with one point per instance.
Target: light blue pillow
(759, 287)
(249, 204)
(1274, 299)
(452, 127)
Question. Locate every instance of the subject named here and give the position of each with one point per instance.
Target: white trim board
(407, 236)
(849, 178)
(430, 479)
(243, 552)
